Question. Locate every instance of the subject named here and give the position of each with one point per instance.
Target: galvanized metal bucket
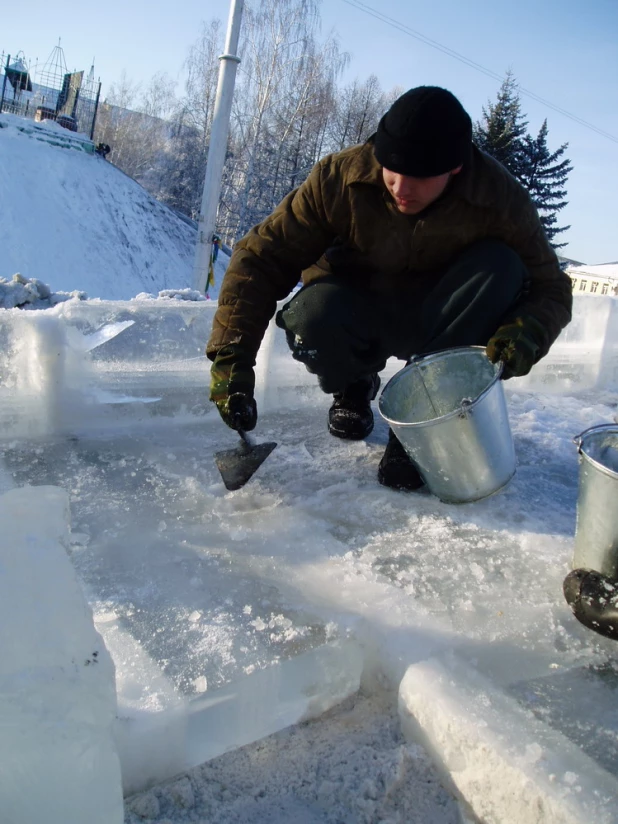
(596, 532)
(449, 412)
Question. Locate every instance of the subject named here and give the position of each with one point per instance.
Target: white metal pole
(216, 150)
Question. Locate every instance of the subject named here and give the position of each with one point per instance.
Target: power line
(402, 27)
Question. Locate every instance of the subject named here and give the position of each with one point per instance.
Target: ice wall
(92, 364)
(95, 364)
(585, 356)
(58, 761)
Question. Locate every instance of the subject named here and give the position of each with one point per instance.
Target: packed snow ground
(351, 765)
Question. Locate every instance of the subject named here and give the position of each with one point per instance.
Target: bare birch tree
(192, 122)
(359, 109)
(288, 112)
(134, 124)
(276, 36)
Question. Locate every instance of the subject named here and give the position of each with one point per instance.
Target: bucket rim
(580, 442)
(464, 408)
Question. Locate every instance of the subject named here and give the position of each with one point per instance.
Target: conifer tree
(502, 129)
(544, 175)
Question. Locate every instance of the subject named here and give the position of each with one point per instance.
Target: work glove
(232, 381)
(516, 344)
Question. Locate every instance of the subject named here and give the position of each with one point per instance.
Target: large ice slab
(506, 763)
(57, 697)
(581, 703)
(210, 652)
(94, 364)
(154, 745)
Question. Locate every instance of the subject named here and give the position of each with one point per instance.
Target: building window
(605, 288)
(594, 286)
(574, 282)
(582, 285)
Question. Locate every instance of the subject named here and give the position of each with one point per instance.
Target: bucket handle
(466, 408)
(578, 440)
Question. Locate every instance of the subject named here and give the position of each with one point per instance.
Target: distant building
(566, 262)
(594, 280)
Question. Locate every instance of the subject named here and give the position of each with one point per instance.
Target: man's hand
(231, 387)
(516, 344)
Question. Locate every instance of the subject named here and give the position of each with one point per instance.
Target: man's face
(413, 194)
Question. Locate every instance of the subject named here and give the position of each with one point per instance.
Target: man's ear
(457, 170)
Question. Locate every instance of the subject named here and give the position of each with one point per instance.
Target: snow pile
(173, 294)
(31, 293)
(53, 127)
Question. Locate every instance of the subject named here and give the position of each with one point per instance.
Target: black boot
(350, 416)
(396, 469)
(593, 599)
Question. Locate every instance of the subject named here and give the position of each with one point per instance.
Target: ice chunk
(57, 693)
(476, 732)
(298, 689)
(89, 342)
(151, 727)
(585, 356)
(160, 732)
(50, 377)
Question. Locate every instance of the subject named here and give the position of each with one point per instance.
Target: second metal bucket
(596, 533)
(449, 412)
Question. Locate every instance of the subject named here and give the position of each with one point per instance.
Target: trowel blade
(238, 465)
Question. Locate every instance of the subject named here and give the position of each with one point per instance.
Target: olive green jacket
(344, 204)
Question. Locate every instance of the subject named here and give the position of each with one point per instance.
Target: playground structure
(50, 92)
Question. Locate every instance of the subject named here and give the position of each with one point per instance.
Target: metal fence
(67, 98)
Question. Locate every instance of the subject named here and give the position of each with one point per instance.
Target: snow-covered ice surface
(231, 615)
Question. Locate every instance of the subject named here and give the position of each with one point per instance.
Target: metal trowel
(238, 465)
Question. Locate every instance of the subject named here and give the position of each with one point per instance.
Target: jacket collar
(364, 168)
(471, 184)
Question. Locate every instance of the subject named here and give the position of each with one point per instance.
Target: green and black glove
(517, 344)
(232, 382)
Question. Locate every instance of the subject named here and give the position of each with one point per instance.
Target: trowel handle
(245, 438)
(248, 442)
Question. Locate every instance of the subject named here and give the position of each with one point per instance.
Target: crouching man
(411, 242)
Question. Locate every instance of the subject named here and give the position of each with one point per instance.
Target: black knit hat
(426, 132)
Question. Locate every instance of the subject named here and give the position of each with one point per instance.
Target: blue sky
(561, 50)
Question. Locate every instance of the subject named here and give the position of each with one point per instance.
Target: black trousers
(342, 332)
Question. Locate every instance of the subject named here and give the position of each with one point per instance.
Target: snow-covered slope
(70, 217)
